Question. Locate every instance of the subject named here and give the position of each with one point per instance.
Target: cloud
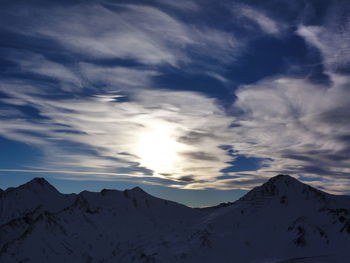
(137, 32)
(245, 181)
(265, 23)
(93, 175)
(181, 5)
(38, 64)
(99, 134)
(116, 77)
(202, 156)
(80, 76)
(332, 38)
(333, 45)
(299, 124)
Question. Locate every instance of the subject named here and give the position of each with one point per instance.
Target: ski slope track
(281, 221)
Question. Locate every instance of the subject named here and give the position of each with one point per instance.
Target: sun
(158, 150)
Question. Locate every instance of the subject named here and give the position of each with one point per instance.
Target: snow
(281, 221)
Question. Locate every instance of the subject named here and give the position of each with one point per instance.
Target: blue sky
(194, 101)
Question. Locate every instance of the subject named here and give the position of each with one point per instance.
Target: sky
(195, 101)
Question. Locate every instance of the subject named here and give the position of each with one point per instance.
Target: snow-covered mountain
(281, 221)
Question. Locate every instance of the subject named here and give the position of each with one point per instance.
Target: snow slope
(281, 221)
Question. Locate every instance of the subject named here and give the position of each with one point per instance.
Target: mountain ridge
(281, 220)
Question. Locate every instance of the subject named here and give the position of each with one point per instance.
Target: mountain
(280, 221)
(37, 194)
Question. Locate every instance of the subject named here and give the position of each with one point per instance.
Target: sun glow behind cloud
(158, 150)
(167, 134)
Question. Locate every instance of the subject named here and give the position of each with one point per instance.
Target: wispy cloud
(106, 134)
(38, 64)
(184, 5)
(116, 77)
(332, 37)
(265, 23)
(334, 44)
(142, 33)
(299, 124)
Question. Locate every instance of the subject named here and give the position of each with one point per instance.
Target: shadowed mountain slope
(283, 220)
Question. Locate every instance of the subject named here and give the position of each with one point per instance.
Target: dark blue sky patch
(31, 112)
(244, 164)
(269, 56)
(17, 155)
(13, 41)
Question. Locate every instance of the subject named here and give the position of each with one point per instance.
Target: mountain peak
(137, 190)
(284, 186)
(39, 184)
(283, 178)
(39, 180)
(274, 186)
